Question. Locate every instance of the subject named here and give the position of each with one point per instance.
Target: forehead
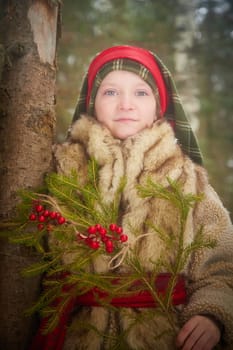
(123, 77)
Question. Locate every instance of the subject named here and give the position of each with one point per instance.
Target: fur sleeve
(210, 287)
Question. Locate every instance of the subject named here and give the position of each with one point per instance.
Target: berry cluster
(45, 217)
(97, 235)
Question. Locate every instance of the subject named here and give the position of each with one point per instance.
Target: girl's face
(125, 104)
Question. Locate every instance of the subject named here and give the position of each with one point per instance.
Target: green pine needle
(82, 206)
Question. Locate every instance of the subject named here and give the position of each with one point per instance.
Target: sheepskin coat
(154, 153)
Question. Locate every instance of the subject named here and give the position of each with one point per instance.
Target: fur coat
(154, 153)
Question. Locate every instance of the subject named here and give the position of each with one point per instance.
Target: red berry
(112, 227)
(94, 244)
(109, 243)
(39, 208)
(40, 227)
(46, 213)
(61, 220)
(32, 217)
(98, 227)
(119, 229)
(41, 218)
(53, 215)
(123, 238)
(109, 246)
(91, 229)
(104, 238)
(58, 215)
(109, 249)
(102, 231)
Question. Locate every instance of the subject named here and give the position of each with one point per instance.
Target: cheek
(101, 109)
(101, 114)
(97, 106)
(150, 121)
(152, 113)
(97, 111)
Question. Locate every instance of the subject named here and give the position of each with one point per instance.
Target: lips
(127, 119)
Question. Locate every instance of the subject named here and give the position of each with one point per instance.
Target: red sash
(95, 297)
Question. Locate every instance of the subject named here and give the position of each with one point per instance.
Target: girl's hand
(199, 333)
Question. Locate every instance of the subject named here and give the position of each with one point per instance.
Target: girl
(130, 120)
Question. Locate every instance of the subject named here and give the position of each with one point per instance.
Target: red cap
(137, 54)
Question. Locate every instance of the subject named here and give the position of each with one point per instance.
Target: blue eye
(110, 92)
(141, 93)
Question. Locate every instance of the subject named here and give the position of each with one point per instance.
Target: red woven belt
(138, 299)
(96, 297)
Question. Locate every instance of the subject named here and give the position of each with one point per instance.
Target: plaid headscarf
(151, 69)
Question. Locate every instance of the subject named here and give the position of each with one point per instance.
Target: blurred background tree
(195, 41)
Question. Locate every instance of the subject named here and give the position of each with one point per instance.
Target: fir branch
(46, 298)
(83, 206)
(172, 193)
(149, 284)
(27, 239)
(52, 321)
(93, 170)
(166, 237)
(39, 268)
(56, 187)
(199, 242)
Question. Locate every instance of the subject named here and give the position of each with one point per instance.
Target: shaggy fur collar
(146, 150)
(153, 152)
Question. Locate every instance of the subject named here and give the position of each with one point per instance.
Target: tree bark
(27, 111)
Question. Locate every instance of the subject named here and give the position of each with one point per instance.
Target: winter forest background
(194, 39)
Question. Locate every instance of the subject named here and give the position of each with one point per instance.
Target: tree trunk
(27, 111)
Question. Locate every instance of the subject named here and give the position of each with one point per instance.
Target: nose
(125, 102)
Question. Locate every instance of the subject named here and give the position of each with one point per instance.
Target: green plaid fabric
(120, 64)
(174, 113)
